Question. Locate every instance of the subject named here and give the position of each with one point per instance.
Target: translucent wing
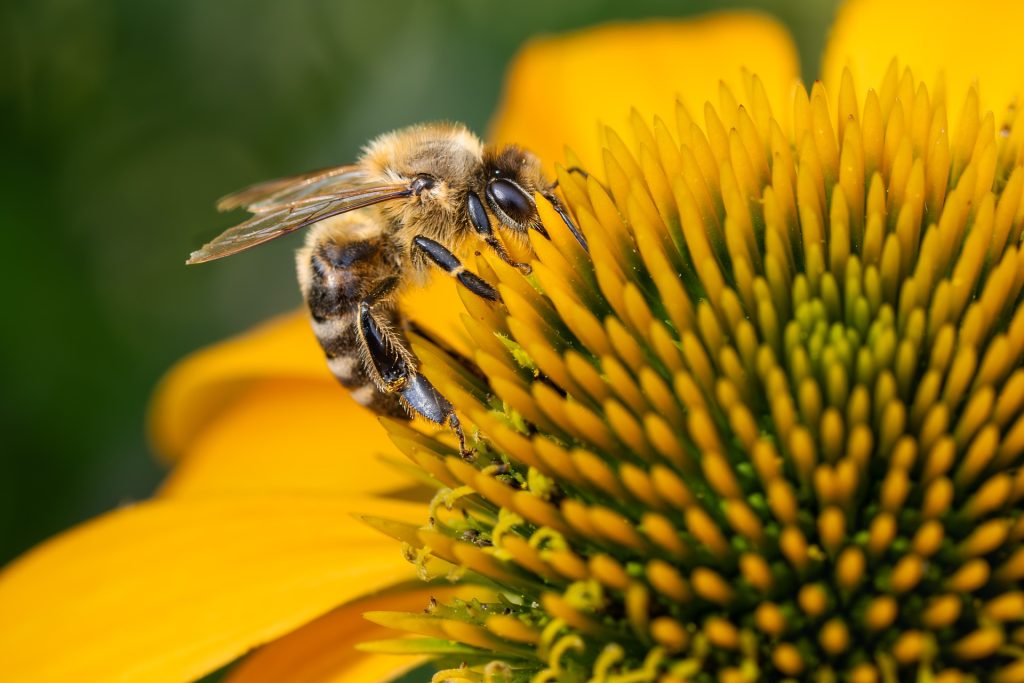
(272, 192)
(271, 224)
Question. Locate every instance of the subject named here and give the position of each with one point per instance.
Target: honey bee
(408, 204)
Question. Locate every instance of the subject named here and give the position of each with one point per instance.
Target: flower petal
(214, 381)
(287, 436)
(324, 651)
(199, 387)
(559, 89)
(164, 592)
(963, 40)
(435, 309)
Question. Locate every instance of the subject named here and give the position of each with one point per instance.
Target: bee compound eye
(511, 200)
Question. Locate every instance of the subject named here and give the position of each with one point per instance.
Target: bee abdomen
(333, 273)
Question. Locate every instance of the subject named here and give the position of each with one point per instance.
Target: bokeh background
(121, 121)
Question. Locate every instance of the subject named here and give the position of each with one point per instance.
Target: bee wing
(272, 192)
(271, 224)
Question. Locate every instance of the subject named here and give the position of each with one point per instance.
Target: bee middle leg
(394, 366)
(450, 263)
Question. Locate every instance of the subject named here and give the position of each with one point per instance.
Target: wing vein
(280, 219)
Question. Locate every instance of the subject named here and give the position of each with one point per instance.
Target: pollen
(769, 426)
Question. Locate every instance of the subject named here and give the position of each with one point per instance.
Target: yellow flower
(896, 372)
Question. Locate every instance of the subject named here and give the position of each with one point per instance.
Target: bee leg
(394, 368)
(577, 169)
(420, 395)
(560, 209)
(482, 224)
(499, 249)
(572, 169)
(389, 360)
(450, 264)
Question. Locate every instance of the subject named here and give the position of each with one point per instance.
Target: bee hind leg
(421, 396)
(393, 366)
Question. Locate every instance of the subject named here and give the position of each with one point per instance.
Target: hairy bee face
(440, 163)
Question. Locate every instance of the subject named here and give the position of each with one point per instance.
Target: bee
(409, 204)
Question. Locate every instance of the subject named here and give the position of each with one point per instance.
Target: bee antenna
(560, 209)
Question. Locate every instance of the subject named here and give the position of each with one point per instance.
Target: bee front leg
(560, 209)
(449, 263)
(482, 225)
(393, 366)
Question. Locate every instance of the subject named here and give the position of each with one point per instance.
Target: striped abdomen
(340, 261)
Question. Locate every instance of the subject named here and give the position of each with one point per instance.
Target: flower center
(770, 426)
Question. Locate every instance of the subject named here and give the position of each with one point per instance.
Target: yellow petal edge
(168, 591)
(959, 43)
(560, 89)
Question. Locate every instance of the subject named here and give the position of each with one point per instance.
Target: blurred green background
(123, 120)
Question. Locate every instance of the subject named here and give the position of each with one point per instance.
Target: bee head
(438, 161)
(511, 177)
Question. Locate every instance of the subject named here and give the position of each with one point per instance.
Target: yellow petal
(558, 89)
(324, 651)
(165, 592)
(199, 387)
(287, 436)
(964, 40)
(213, 382)
(435, 310)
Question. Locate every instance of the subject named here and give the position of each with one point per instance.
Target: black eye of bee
(509, 200)
(421, 183)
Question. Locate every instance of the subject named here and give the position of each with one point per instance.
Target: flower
(769, 427)
(675, 515)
